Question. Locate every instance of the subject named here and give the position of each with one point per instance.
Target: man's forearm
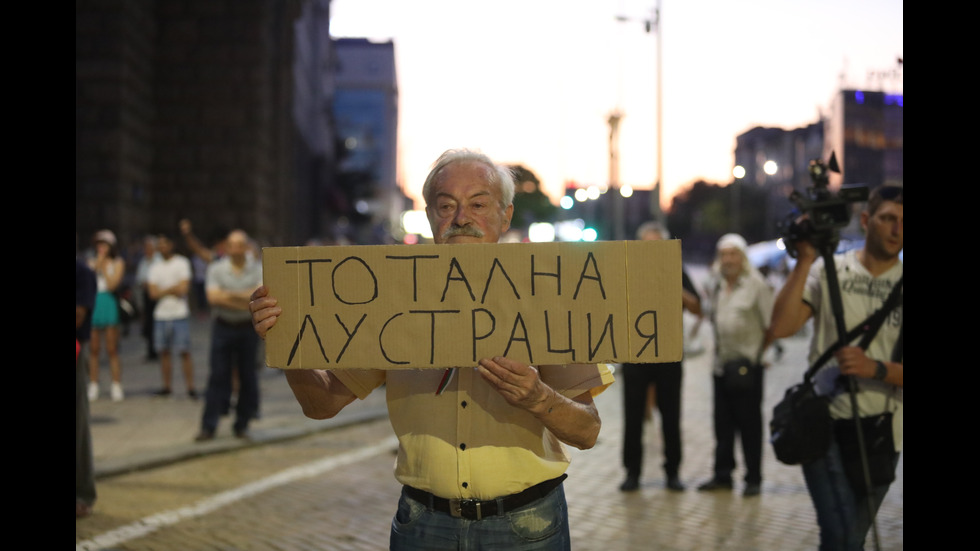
(319, 392)
(789, 312)
(234, 300)
(574, 422)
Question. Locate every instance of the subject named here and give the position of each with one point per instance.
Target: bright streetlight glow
(541, 232)
(770, 167)
(738, 172)
(415, 221)
(569, 230)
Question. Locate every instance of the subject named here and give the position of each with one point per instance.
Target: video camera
(825, 213)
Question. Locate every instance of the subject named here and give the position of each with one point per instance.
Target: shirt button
(466, 484)
(462, 446)
(463, 403)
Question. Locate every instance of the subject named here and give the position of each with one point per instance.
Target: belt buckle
(470, 507)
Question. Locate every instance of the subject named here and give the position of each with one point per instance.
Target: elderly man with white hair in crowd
(740, 302)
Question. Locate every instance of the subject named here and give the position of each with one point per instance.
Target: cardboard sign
(437, 306)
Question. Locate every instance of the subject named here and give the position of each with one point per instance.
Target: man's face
(465, 207)
(885, 230)
(651, 235)
(236, 246)
(165, 246)
(730, 259)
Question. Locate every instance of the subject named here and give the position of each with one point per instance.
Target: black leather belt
(475, 509)
(234, 324)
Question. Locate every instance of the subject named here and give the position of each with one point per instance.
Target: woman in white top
(109, 270)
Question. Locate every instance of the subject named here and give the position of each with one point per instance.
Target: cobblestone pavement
(781, 518)
(142, 432)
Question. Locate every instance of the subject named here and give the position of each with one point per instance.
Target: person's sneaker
(715, 484)
(117, 392)
(243, 434)
(204, 436)
(162, 393)
(752, 490)
(631, 484)
(192, 394)
(93, 391)
(674, 484)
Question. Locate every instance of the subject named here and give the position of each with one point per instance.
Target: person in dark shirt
(665, 379)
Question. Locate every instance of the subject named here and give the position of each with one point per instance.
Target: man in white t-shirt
(169, 283)
(865, 278)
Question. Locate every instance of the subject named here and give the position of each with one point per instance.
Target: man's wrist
(547, 405)
(881, 371)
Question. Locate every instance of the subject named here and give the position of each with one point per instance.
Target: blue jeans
(842, 515)
(172, 336)
(542, 525)
(233, 349)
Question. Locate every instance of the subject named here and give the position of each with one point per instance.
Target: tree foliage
(703, 212)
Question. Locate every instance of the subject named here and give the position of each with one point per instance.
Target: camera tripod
(826, 250)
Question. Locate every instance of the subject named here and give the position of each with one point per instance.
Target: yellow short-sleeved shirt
(468, 442)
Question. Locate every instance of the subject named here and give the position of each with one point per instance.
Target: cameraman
(866, 277)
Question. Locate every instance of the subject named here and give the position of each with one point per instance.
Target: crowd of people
(153, 285)
(469, 199)
(155, 281)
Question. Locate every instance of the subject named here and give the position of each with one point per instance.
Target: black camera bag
(801, 426)
(879, 448)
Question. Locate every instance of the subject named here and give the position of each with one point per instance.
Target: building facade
(863, 132)
(367, 198)
(183, 110)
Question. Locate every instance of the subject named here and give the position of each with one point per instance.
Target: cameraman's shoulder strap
(874, 322)
(867, 328)
(897, 352)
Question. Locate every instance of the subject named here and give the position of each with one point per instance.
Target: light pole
(619, 232)
(771, 168)
(739, 173)
(652, 25)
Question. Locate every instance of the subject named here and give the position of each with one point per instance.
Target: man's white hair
(733, 241)
(500, 176)
(652, 225)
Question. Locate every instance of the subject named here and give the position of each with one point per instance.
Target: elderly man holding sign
(481, 449)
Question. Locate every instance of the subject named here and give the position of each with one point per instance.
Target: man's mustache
(469, 231)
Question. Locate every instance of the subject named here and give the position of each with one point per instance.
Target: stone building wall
(183, 110)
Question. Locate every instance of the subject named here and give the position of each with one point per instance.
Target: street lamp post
(771, 168)
(739, 174)
(652, 25)
(614, 191)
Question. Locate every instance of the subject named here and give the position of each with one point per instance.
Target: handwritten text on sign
(432, 306)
